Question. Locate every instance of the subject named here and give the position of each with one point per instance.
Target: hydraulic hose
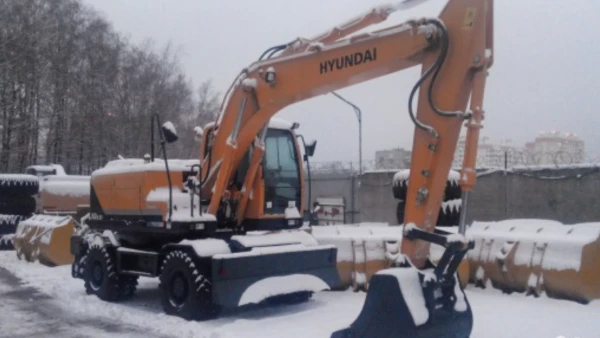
(273, 50)
(437, 66)
(411, 113)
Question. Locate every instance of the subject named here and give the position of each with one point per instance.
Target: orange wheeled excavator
(189, 227)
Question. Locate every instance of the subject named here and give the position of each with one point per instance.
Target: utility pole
(358, 114)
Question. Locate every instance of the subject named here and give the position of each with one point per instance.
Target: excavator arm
(454, 51)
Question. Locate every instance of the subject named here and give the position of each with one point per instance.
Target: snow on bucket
(364, 251)
(46, 239)
(534, 256)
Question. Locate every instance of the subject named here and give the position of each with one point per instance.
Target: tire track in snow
(27, 312)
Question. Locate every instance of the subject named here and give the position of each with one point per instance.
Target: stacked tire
(449, 214)
(17, 202)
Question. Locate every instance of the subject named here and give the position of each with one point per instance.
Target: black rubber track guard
(386, 313)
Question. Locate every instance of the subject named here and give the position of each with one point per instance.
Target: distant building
(489, 154)
(554, 147)
(548, 148)
(398, 158)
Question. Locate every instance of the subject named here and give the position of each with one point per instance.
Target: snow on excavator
(224, 230)
(189, 223)
(147, 218)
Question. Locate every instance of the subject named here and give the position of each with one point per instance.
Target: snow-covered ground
(496, 315)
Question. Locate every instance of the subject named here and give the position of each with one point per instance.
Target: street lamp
(358, 113)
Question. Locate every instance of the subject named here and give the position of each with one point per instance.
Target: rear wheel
(186, 292)
(102, 279)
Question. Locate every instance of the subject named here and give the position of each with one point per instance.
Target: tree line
(75, 92)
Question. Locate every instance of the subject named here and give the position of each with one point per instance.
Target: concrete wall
(336, 185)
(375, 198)
(566, 195)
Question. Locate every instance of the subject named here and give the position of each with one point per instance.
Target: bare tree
(75, 92)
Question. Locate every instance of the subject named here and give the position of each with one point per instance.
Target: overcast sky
(545, 74)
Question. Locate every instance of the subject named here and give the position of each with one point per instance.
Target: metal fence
(506, 160)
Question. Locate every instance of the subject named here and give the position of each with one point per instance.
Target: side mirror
(168, 130)
(309, 148)
(198, 134)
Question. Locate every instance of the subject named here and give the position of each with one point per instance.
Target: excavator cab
(278, 190)
(281, 168)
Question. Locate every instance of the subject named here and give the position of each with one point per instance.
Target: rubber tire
(197, 303)
(78, 266)
(400, 212)
(9, 186)
(455, 217)
(22, 206)
(442, 219)
(8, 223)
(6, 245)
(451, 191)
(112, 286)
(400, 190)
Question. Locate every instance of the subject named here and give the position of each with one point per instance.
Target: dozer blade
(46, 239)
(407, 303)
(261, 274)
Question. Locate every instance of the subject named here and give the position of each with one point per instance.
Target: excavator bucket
(45, 238)
(536, 256)
(406, 302)
(403, 301)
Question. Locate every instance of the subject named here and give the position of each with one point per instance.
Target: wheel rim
(97, 275)
(179, 289)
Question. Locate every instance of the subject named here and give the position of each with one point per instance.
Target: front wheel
(185, 291)
(102, 279)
